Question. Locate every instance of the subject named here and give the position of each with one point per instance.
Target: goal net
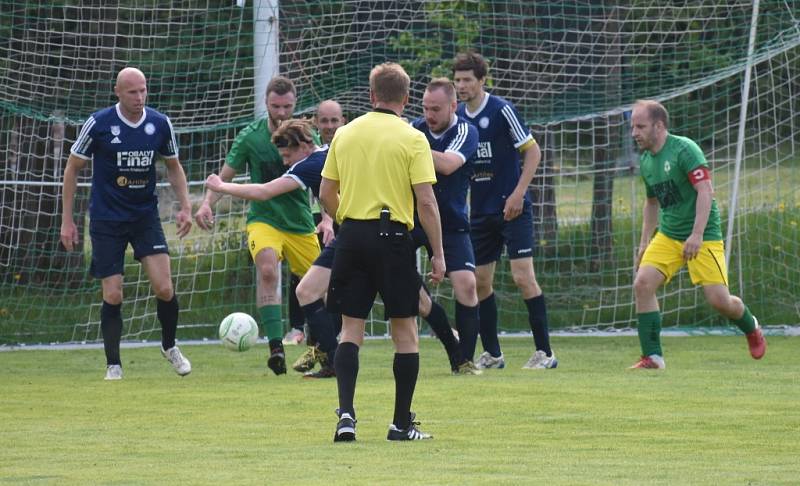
(573, 69)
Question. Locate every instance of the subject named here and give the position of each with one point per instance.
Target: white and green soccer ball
(238, 331)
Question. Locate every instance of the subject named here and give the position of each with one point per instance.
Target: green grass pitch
(714, 416)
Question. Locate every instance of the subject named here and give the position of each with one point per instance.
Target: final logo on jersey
(135, 160)
(149, 129)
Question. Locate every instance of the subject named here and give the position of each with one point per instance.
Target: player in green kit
(680, 205)
(279, 228)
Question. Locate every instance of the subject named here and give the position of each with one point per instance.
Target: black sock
(167, 312)
(296, 316)
(537, 318)
(467, 323)
(406, 370)
(441, 327)
(488, 327)
(321, 326)
(274, 344)
(346, 366)
(111, 327)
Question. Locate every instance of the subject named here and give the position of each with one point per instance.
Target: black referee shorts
(367, 264)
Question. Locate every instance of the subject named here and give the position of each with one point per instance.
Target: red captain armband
(699, 175)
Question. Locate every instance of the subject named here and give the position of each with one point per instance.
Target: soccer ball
(238, 331)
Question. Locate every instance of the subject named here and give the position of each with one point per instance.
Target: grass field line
(672, 332)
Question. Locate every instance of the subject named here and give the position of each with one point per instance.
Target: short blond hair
(389, 82)
(443, 84)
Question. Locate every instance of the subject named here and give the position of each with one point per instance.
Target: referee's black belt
(394, 226)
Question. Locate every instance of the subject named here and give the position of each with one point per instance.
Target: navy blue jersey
(124, 155)
(460, 138)
(498, 163)
(308, 172)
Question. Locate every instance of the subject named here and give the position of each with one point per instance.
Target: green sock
(650, 333)
(271, 321)
(746, 323)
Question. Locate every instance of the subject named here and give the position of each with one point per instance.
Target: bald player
(124, 142)
(328, 119)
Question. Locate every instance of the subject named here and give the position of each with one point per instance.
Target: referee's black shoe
(346, 428)
(411, 433)
(277, 360)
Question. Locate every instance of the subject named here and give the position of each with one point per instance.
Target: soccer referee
(375, 166)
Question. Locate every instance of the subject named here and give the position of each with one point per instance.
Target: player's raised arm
(69, 231)
(252, 192)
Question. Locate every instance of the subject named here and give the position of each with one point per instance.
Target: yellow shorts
(707, 268)
(299, 250)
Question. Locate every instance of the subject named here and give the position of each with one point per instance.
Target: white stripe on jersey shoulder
(128, 122)
(173, 145)
(459, 139)
(477, 112)
(293, 177)
(83, 140)
(519, 133)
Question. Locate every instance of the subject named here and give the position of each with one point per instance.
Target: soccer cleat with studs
(179, 363)
(652, 362)
(345, 428)
(467, 368)
(411, 433)
(277, 361)
(307, 360)
(113, 372)
(487, 361)
(756, 342)
(540, 361)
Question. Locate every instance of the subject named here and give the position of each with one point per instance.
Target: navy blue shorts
(490, 232)
(458, 254)
(325, 258)
(110, 240)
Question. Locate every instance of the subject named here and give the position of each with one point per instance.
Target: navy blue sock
(111, 327)
(406, 370)
(488, 328)
(167, 312)
(441, 327)
(346, 366)
(297, 317)
(467, 323)
(321, 326)
(537, 318)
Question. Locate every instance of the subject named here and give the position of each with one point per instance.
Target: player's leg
(109, 241)
(266, 248)
(708, 269)
(487, 242)
(660, 261)
(467, 317)
(296, 333)
(436, 317)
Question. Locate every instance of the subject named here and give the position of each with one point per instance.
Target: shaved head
(131, 90)
(328, 119)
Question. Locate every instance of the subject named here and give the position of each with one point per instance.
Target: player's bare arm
(329, 195)
(69, 231)
(446, 163)
(205, 214)
(326, 228)
(177, 179)
(705, 195)
(532, 156)
(428, 211)
(252, 192)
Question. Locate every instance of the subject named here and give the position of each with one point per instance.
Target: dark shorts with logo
(458, 254)
(110, 240)
(366, 264)
(490, 232)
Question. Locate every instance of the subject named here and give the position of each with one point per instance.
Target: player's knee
(269, 273)
(524, 281)
(112, 296)
(720, 303)
(163, 290)
(424, 305)
(305, 293)
(642, 286)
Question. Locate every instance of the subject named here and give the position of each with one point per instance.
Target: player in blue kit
(453, 143)
(124, 141)
(294, 141)
(500, 209)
